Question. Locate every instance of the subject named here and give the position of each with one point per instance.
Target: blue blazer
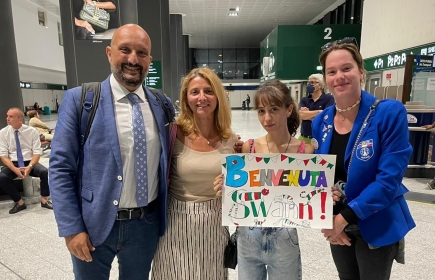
(374, 188)
(93, 208)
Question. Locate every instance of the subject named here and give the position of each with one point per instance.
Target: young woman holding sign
(265, 252)
(276, 248)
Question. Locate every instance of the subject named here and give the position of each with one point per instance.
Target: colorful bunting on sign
(282, 157)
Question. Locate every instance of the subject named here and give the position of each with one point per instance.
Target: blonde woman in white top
(194, 243)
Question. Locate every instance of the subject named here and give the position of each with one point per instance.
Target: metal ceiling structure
(209, 25)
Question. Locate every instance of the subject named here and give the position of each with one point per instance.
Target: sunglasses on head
(346, 40)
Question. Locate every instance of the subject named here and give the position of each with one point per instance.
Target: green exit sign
(154, 77)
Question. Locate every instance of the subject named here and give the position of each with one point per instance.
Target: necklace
(208, 142)
(348, 108)
(267, 142)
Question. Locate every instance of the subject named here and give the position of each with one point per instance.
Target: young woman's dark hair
(277, 93)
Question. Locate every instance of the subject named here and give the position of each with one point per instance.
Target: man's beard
(119, 75)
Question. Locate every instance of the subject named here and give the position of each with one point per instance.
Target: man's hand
(304, 109)
(18, 171)
(80, 246)
(26, 171)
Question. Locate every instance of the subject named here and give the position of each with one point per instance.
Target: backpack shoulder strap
(89, 104)
(163, 101)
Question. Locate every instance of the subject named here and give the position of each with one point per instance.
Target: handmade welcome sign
(278, 190)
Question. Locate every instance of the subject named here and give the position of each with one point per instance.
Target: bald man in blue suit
(96, 203)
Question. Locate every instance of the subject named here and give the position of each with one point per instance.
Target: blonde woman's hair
(222, 114)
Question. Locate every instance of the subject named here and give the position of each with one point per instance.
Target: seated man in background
(20, 150)
(39, 125)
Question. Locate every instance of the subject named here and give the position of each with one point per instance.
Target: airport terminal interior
(246, 42)
(31, 248)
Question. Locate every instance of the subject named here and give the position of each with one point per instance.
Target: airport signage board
(291, 52)
(154, 77)
(398, 59)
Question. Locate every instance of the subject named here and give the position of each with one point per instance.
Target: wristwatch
(31, 166)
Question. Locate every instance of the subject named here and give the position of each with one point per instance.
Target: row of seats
(389, 92)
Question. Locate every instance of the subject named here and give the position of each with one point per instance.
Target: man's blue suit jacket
(93, 208)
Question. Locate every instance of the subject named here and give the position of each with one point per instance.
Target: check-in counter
(419, 138)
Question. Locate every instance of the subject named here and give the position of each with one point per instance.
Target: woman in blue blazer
(371, 144)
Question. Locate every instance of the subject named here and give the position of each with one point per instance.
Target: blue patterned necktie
(20, 158)
(140, 152)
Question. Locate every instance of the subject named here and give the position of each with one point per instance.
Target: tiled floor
(31, 249)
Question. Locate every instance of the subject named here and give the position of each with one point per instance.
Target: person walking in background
(20, 150)
(248, 101)
(39, 125)
(193, 246)
(109, 194)
(313, 104)
(370, 140)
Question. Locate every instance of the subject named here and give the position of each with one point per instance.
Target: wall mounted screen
(95, 20)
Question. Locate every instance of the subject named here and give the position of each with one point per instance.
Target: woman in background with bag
(370, 139)
(194, 243)
(84, 29)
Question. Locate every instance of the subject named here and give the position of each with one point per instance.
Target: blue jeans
(276, 248)
(132, 241)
